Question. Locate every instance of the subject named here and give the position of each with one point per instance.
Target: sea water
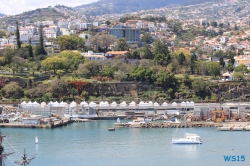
(91, 144)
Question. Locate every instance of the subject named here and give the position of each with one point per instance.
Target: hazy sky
(19, 6)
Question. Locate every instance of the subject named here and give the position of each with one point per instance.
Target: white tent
(150, 103)
(183, 104)
(174, 104)
(123, 104)
(132, 104)
(92, 104)
(43, 104)
(50, 104)
(84, 104)
(103, 104)
(63, 104)
(164, 104)
(156, 104)
(23, 104)
(29, 104)
(35, 104)
(72, 104)
(142, 104)
(56, 104)
(113, 104)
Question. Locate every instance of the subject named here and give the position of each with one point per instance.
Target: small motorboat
(111, 129)
(188, 139)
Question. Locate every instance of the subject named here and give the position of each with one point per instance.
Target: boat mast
(1, 149)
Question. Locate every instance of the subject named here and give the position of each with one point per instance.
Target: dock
(166, 125)
(53, 124)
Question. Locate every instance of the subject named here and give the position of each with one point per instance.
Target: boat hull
(186, 142)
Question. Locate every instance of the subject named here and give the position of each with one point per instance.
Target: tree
(122, 45)
(230, 67)
(213, 68)
(30, 50)
(146, 38)
(241, 68)
(160, 48)
(2, 33)
(18, 64)
(12, 90)
(54, 63)
(161, 59)
(181, 58)
(145, 52)
(40, 48)
(82, 70)
(165, 78)
(18, 36)
(106, 41)
(58, 88)
(221, 60)
(193, 59)
(73, 59)
(238, 76)
(70, 42)
(107, 22)
(200, 87)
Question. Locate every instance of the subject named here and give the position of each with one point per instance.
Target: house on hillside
(94, 56)
(227, 77)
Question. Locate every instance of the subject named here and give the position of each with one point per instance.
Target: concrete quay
(229, 126)
(53, 124)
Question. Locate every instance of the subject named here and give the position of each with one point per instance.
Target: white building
(93, 56)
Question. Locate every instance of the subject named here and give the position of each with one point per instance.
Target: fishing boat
(36, 140)
(188, 139)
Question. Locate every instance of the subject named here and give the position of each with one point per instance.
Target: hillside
(1, 14)
(49, 13)
(120, 6)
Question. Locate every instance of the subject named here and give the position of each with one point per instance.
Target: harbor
(55, 114)
(83, 141)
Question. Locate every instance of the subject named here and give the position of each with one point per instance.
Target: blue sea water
(91, 144)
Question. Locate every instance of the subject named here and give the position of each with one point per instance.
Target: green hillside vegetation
(119, 6)
(156, 73)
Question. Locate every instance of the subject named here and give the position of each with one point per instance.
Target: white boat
(188, 139)
(118, 120)
(36, 140)
(137, 121)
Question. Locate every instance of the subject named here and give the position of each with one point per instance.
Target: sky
(11, 7)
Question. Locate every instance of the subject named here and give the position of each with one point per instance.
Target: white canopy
(35, 104)
(113, 104)
(72, 104)
(103, 104)
(174, 104)
(156, 104)
(43, 104)
(56, 104)
(164, 104)
(150, 103)
(84, 104)
(132, 104)
(123, 104)
(92, 104)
